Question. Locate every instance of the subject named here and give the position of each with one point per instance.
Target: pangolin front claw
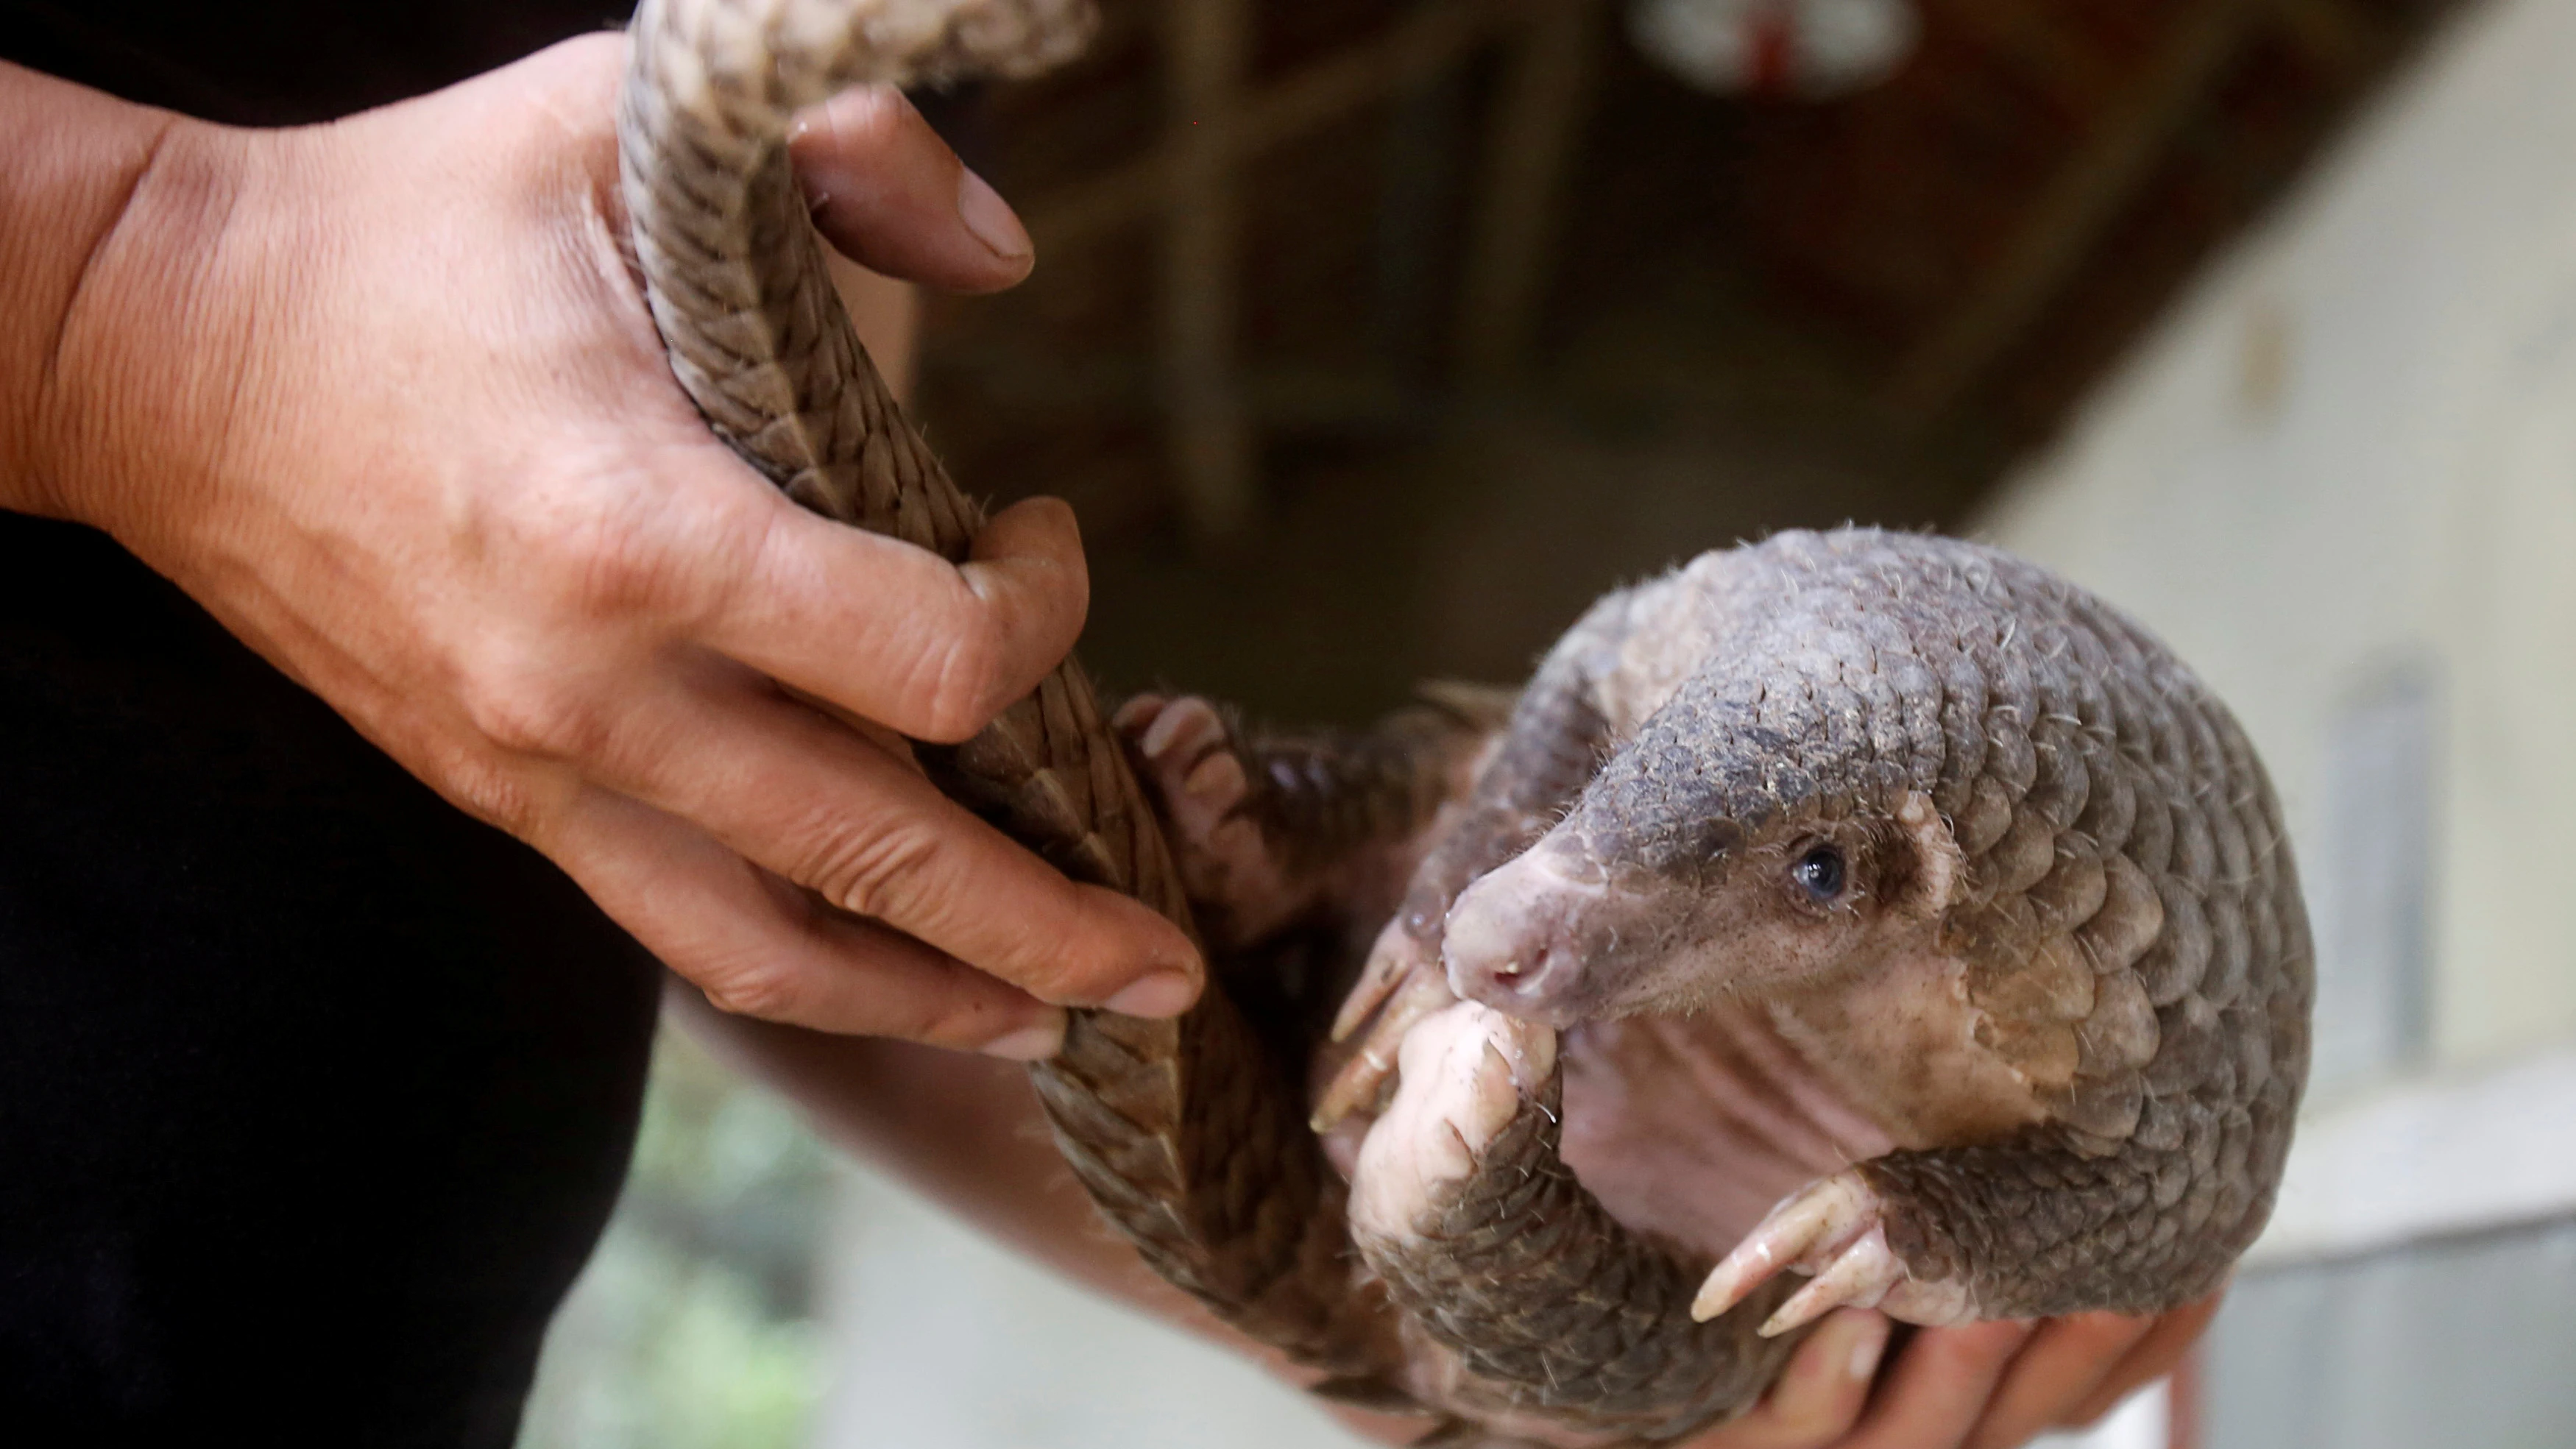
(1363, 1078)
(1396, 958)
(1860, 1276)
(1834, 1228)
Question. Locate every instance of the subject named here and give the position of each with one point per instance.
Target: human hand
(384, 397)
(1977, 1386)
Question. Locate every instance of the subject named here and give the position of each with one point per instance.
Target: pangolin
(1886, 876)
(1879, 871)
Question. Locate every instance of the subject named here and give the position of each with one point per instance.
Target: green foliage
(693, 1326)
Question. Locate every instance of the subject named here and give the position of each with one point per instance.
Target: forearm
(962, 1129)
(966, 1132)
(92, 201)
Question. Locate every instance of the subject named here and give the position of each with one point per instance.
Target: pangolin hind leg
(1276, 829)
(1294, 846)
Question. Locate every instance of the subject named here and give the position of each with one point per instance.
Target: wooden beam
(1537, 116)
(1431, 37)
(2088, 194)
(1211, 441)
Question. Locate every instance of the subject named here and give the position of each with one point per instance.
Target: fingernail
(1165, 993)
(1030, 1043)
(1870, 1342)
(991, 219)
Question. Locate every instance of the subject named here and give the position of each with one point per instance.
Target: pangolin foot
(1467, 1073)
(1835, 1229)
(1186, 754)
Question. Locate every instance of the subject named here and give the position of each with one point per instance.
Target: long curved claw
(1395, 957)
(1185, 753)
(1137, 715)
(1366, 1074)
(1860, 1276)
(1836, 1229)
(1807, 1230)
(1176, 734)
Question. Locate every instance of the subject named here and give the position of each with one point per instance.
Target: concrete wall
(2345, 471)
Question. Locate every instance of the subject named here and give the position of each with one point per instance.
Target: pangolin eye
(1821, 873)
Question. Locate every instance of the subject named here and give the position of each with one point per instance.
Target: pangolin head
(1789, 811)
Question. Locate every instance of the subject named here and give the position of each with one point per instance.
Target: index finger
(899, 635)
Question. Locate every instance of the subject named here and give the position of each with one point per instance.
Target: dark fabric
(314, 1093)
(283, 62)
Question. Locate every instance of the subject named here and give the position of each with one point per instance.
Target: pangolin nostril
(1537, 972)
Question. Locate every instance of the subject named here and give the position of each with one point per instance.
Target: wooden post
(1537, 116)
(1211, 438)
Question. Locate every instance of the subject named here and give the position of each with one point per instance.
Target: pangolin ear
(1939, 879)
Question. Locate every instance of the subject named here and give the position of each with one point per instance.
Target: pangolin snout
(1519, 938)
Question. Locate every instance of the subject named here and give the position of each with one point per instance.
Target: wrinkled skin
(1881, 878)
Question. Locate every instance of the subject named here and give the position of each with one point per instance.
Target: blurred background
(1373, 338)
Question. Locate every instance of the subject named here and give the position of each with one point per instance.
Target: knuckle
(494, 794)
(525, 713)
(605, 569)
(880, 872)
(943, 1021)
(1075, 973)
(764, 993)
(964, 674)
(593, 557)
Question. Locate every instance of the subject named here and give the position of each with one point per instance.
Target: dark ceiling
(1371, 337)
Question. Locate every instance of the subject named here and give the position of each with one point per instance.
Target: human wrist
(122, 335)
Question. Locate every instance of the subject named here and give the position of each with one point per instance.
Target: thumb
(891, 196)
